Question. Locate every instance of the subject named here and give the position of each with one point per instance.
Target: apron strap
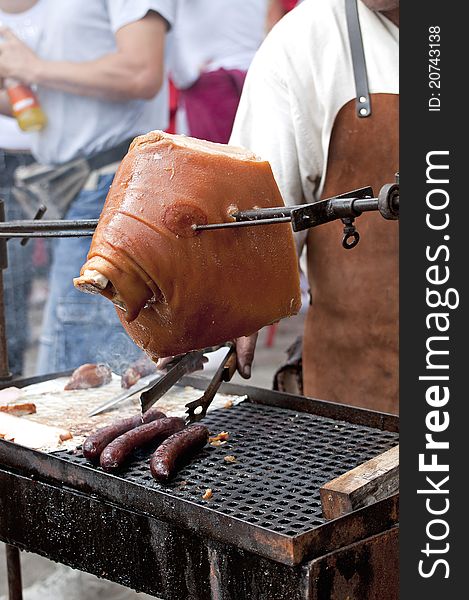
(363, 101)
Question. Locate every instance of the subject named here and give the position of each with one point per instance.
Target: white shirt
(84, 30)
(214, 34)
(299, 80)
(27, 26)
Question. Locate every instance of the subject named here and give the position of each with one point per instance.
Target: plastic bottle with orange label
(25, 106)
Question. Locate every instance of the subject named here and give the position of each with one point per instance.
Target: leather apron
(350, 352)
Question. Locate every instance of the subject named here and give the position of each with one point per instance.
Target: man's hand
(17, 60)
(245, 347)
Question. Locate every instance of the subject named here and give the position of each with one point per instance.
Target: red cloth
(173, 106)
(289, 4)
(211, 104)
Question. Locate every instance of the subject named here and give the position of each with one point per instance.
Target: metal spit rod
(58, 225)
(47, 234)
(57, 228)
(346, 207)
(273, 216)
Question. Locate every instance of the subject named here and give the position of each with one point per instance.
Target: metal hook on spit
(350, 233)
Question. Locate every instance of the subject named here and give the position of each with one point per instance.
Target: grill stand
(15, 591)
(54, 508)
(12, 553)
(4, 368)
(161, 559)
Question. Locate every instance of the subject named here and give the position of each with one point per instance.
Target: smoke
(118, 352)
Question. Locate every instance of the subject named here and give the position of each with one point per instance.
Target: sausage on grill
(115, 453)
(96, 442)
(180, 445)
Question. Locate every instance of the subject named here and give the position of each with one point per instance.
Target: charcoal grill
(261, 536)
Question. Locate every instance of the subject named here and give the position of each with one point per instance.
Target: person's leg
(18, 276)
(80, 328)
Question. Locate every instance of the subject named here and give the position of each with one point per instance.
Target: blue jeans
(18, 276)
(80, 328)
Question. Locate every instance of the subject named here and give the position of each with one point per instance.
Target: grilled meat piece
(20, 409)
(89, 376)
(142, 367)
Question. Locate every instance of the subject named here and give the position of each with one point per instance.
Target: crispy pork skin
(183, 289)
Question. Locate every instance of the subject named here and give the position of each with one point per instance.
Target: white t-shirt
(299, 80)
(27, 26)
(214, 34)
(79, 31)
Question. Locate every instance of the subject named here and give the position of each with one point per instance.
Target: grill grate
(282, 459)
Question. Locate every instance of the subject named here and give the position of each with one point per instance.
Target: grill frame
(204, 520)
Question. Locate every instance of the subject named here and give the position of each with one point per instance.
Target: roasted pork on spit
(178, 289)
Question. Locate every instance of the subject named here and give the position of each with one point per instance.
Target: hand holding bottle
(17, 66)
(17, 60)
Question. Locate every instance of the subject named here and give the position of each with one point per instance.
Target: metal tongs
(196, 409)
(142, 384)
(224, 373)
(154, 386)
